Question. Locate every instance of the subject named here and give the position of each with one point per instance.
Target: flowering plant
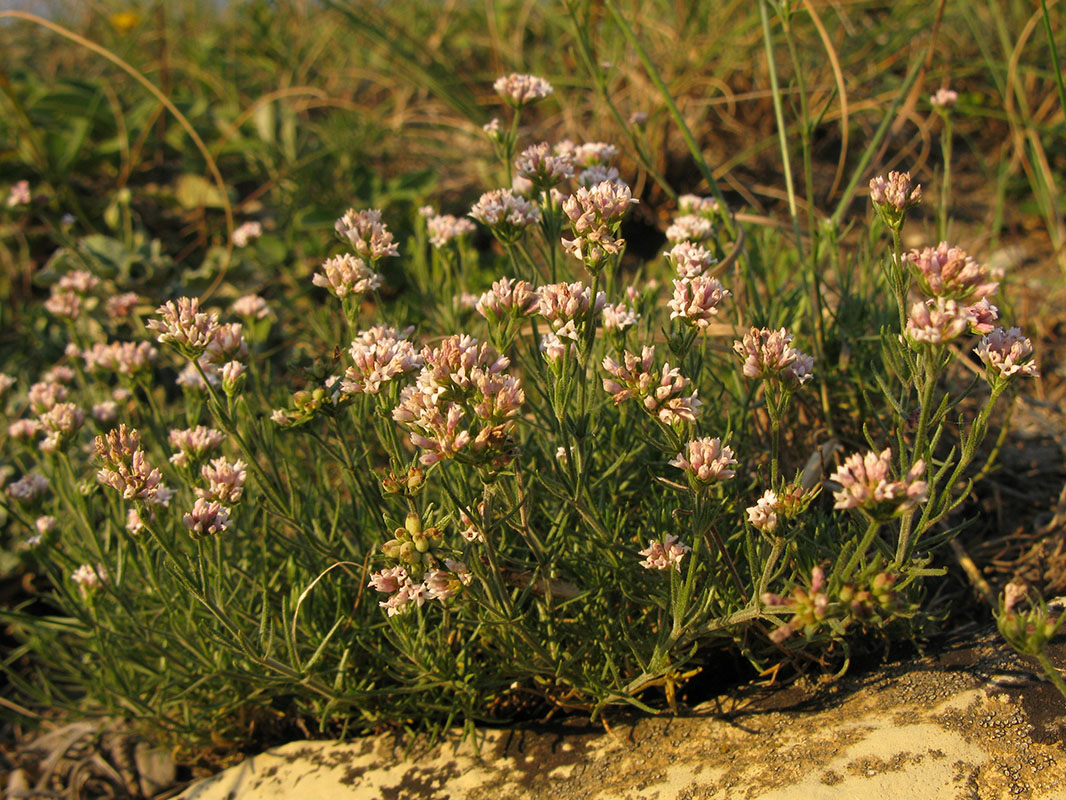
(475, 503)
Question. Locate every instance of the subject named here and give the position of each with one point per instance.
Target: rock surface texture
(972, 723)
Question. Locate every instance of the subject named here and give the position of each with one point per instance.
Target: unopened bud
(413, 523)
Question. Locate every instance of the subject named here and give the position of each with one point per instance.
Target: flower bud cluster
(774, 506)
(661, 394)
(895, 194)
(125, 466)
(1028, 631)
(812, 607)
(950, 272)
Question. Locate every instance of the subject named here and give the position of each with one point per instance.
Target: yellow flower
(125, 21)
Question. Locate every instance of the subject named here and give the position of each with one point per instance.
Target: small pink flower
(207, 518)
(696, 300)
(444, 228)
(664, 555)
(949, 272)
(706, 460)
(769, 355)
(1007, 353)
(245, 233)
(183, 325)
(521, 90)
(346, 275)
(944, 98)
(866, 483)
(368, 235)
(896, 192)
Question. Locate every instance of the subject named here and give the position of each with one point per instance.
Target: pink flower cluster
(183, 325)
(508, 299)
(543, 167)
(949, 272)
(690, 260)
(445, 228)
(194, 444)
(367, 234)
(618, 317)
(896, 192)
(696, 300)
(706, 460)
(505, 214)
(462, 404)
(346, 275)
(769, 354)
(699, 206)
(566, 306)
(207, 518)
(595, 214)
(379, 355)
(866, 483)
(59, 424)
(225, 481)
(437, 584)
(1007, 353)
(662, 394)
(690, 228)
(124, 358)
(664, 555)
(519, 89)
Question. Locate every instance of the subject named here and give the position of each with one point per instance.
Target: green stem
(1052, 673)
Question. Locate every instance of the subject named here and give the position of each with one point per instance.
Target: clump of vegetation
(484, 463)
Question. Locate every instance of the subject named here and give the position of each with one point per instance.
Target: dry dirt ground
(973, 722)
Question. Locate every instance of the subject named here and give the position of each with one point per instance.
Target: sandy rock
(973, 723)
